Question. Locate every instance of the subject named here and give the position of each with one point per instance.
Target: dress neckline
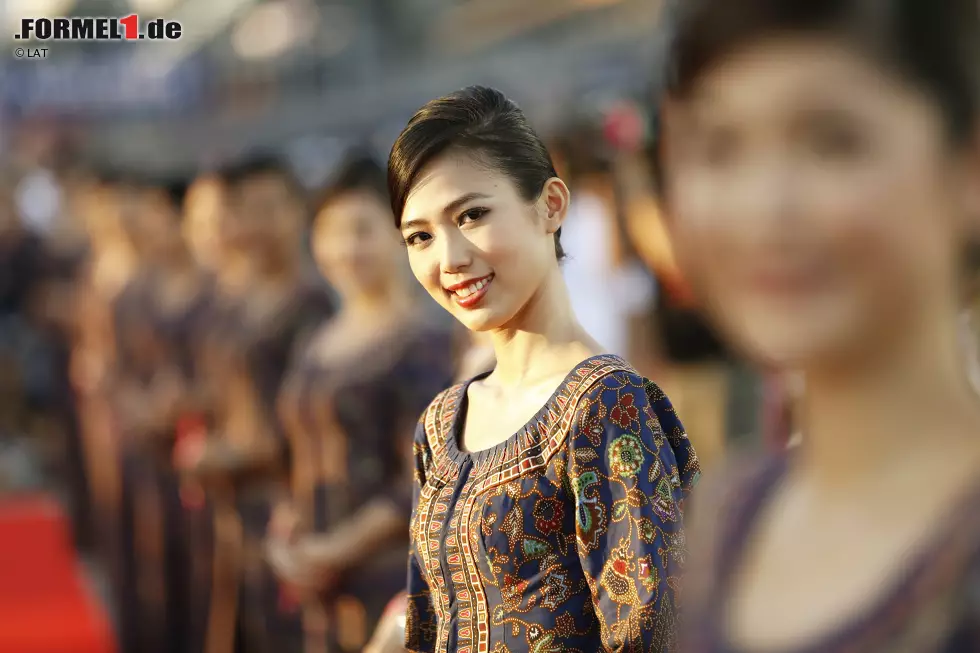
(531, 427)
(933, 559)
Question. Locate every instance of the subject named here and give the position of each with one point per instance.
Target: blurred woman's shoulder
(719, 511)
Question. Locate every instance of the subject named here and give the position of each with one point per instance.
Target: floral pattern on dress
(567, 537)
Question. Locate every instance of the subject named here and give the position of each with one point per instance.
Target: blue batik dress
(568, 536)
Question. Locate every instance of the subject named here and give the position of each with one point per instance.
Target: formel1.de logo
(76, 28)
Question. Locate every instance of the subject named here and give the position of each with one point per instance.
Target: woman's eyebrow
(449, 209)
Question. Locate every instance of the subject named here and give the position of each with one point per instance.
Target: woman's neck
(174, 264)
(242, 272)
(544, 339)
(890, 408)
(378, 303)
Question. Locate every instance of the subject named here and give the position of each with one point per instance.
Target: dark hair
(360, 172)
(262, 165)
(934, 43)
(107, 175)
(176, 190)
(481, 122)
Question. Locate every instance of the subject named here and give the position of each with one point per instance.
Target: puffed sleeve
(420, 616)
(630, 468)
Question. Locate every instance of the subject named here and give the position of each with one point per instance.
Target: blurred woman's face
(476, 245)
(152, 223)
(101, 208)
(204, 207)
(265, 216)
(355, 244)
(815, 200)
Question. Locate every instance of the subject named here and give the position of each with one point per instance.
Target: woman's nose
(455, 253)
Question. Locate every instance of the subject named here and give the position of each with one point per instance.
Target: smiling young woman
(549, 491)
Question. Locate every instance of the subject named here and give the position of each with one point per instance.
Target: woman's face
(814, 198)
(265, 216)
(152, 223)
(102, 214)
(476, 245)
(355, 244)
(205, 205)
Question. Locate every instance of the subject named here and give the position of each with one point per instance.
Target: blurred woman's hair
(262, 165)
(481, 123)
(583, 153)
(177, 190)
(934, 44)
(359, 173)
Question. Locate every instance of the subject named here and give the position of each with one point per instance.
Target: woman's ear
(555, 198)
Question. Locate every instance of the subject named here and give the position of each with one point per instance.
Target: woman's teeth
(472, 288)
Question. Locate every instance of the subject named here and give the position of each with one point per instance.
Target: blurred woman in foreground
(350, 406)
(822, 173)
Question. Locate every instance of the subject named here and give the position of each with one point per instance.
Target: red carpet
(45, 606)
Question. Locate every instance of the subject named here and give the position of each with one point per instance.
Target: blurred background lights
(15, 10)
(158, 7)
(271, 29)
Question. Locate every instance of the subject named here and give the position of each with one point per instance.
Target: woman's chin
(478, 323)
(790, 353)
(481, 319)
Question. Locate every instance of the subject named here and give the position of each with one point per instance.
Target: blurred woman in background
(157, 320)
(204, 204)
(263, 312)
(351, 405)
(22, 261)
(822, 174)
(108, 269)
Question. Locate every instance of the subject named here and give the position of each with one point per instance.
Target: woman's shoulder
(617, 401)
(718, 514)
(726, 498)
(609, 369)
(611, 388)
(420, 348)
(420, 329)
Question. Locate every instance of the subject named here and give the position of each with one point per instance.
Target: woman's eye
(716, 148)
(836, 142)
(472, 215)
(417, 238)
(835, 135)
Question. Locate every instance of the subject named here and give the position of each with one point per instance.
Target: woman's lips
(469, 294)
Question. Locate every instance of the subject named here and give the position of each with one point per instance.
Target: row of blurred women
(242, 421)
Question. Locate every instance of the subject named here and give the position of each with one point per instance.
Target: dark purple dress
(153, 584)
(933, 608)
(351, 425)
(247, 359)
